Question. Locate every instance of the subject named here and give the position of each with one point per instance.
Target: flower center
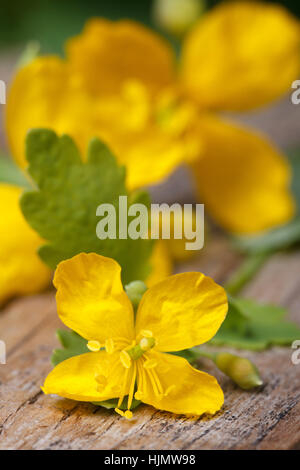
(140, 369)
(136, 351)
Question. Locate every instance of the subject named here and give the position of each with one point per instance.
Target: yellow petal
(91, 300)
(182, 311)
(21, 270)
(149, 156)
(93, 376)
(184, 390)
(241, 55)
(108, 53)
(150, 137)
(46, 93)
(176, 247)
(36, 98)
(242, 179)
(161, 264)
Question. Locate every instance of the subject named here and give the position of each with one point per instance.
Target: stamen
(150, 364)
(141, 382)
(128, 414)
(109, 346)
(159, 385)
(94, 345)
(125, 359)
(155, 382)
(124, 389)
(131, 389)
(120, 412)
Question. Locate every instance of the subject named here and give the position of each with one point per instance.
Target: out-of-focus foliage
(63, 208)
(250, 325)
(52, 21)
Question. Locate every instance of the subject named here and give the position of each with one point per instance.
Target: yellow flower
(21, 270)
(161, 263)
(131, 356)
(119, 82)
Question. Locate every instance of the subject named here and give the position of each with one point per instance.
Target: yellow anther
(109, 346)
(93, 346)
(120, 412)
(128, 414)
(150, 363)
(138, 395)
(169, 390)
(146, 333)
(125, 359)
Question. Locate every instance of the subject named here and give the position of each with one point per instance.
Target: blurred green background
(51, 21)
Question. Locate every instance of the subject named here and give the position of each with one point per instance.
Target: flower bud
(177, 16)
(135, 291)
(241, 370)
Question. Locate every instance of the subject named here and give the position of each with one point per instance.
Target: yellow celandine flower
(130, 355)
(21, 270)
(119, 82)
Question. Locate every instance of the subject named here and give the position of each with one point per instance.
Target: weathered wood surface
(265, 419)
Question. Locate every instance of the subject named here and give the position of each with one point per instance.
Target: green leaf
(250, 325)
(245, 272)
(63, 208)
(273, 240)
(281, 237)
(113, 403)
(74, 345)
(11, 174)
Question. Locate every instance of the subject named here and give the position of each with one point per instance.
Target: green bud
(242, 371)
(177, 16)
(135, 291)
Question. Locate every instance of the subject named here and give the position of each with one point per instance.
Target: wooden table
(265, 419)
(268, 418)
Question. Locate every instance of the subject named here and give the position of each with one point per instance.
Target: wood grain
(265, 419)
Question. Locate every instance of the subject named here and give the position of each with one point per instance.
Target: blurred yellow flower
(130, 356)
(161, 263)
(21, 270)
(119, 82)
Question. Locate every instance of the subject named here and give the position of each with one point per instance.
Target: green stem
(245, 272)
